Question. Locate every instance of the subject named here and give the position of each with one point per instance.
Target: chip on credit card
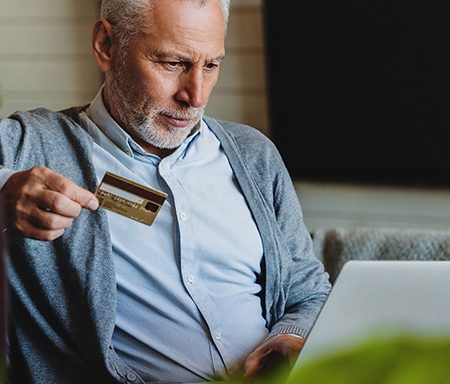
(130, 199)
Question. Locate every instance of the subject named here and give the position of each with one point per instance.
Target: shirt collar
(98, 113)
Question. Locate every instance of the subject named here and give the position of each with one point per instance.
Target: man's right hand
(41, 204)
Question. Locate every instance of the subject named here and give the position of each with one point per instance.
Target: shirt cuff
(289, 334)
(293, 334)
(288, 329)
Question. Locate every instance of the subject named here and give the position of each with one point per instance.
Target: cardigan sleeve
(308, 284)
(295, 284)
(11, 135)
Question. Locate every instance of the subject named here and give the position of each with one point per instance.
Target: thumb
(85, 198)
(74, 192)
(252, 366)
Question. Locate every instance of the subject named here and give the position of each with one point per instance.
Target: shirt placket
(188, 263)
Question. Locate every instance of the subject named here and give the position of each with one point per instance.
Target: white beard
(146, 123)
(161, 135)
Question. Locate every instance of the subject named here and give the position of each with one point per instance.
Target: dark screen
(360, 89)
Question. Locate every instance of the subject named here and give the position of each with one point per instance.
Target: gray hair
(129, 16)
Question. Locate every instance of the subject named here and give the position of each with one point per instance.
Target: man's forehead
(186, 31)
(204, 15)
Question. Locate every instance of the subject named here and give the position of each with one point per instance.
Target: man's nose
(191, 88)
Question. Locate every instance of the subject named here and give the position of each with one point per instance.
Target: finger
(28, 230)
(295, 351)
(57, 203)
(290, 347)
(61, 184)
(252, 366)
(49, 221)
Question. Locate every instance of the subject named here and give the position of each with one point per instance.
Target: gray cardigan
(63, 293)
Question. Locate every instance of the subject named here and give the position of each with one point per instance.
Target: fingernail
(93, 204)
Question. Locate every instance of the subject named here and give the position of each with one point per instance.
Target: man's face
(159, 88)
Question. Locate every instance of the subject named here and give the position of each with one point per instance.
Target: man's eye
(211, 66)
(173, 64)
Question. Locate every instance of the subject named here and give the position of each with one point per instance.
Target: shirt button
(191, 279)
(131, 376)
(218, 335)
(183, 216)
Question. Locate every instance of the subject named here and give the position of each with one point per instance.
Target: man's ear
(103, 44)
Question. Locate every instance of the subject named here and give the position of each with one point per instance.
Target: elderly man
(223, 281)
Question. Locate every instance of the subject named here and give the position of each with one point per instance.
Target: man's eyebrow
(164, 55)
(161, 55)
(217, 59)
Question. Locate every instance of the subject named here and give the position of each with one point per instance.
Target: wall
(328, 205)
(324, 204)
(240, 94)
(45, 60)
(45, 55)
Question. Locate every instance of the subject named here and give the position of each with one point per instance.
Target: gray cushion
(334, 247)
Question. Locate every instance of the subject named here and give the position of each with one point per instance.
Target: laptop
(379, 299)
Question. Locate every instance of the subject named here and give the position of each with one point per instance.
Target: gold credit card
(129, 199)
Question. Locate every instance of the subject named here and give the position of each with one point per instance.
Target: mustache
(185, 114)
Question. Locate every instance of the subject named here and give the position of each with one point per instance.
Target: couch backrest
(334, 247)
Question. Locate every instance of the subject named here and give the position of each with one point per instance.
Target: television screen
(360, 89)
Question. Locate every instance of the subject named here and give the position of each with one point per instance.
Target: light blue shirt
(188, 286)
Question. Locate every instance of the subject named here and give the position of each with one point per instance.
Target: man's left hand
(269, 355)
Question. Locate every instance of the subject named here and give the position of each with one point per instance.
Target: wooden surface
(45, 54)
(45, 59)
(241, 94)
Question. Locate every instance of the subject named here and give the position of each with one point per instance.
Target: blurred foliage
(396, 360)
(399, 360)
